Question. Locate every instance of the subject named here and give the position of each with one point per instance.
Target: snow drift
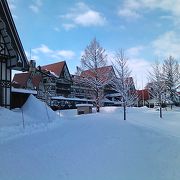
(36, 111)
(95, 146)
(33, 111)
(8, 118)
(32, 117)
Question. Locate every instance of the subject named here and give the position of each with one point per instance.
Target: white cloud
(135, 8)
(128, 13)
(56, 29)
(68, 26)
(82, 15)
(167, 44)
(31, 56)
(56, 54)
(34, 8)
(43, 49)
(67, 54)
(134, 51)
(129, 9)
(139, 66)
(89, 18)
(36, 5)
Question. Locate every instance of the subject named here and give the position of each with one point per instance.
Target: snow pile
(109, 109)
(36, 111)
(66, 114)
(34, 116)
(8, 118)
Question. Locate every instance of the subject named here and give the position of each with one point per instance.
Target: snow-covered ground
(89, 147)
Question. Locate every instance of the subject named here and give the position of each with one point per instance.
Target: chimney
(32, 64)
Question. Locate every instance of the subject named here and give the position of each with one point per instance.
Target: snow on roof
(113, 95)
(70, 99)
(107, 100)
(54, 74)
(84, 105)
(55, 67)
(118, 102)
(24, 91)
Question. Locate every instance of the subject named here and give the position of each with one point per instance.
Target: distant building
(63, 77)
(12, 55)
(28, 83)
(84, 90)
(79, 90)
(48, 81)
(116, 97)
(143, 97)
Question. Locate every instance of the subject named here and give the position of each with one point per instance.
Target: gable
(65, 73)
(55, 68)
(21, 79)
(58, 69)
(10, 41)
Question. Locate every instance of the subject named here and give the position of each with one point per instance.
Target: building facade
(63, 80)
(48, 81)
(12, 55)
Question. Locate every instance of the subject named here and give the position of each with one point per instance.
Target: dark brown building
(48, 81)
(63, 81)
(12, 55)
(82, 89)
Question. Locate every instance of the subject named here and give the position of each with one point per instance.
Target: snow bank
(9, 118)
(33, 111)
(98, 146)
(36, 111)
(34, 116)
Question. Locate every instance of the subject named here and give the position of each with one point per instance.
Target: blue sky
(61, 29)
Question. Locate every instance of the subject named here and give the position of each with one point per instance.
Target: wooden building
(39, 82)
(110, 96)
(63, 77)
(79, 90)
(49, 81)
(82, 89)
(12, 55)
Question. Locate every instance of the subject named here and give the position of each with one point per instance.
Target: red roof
(143, 94)
(21, 79)
(103, 72)
(55, 68)
(36, 79)
(105, 69)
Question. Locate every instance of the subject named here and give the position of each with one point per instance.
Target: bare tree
(157, 86)
(171, 77)
(123, 83)
(93, 72)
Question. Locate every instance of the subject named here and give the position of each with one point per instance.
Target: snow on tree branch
(123, 83)
(94, 72)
